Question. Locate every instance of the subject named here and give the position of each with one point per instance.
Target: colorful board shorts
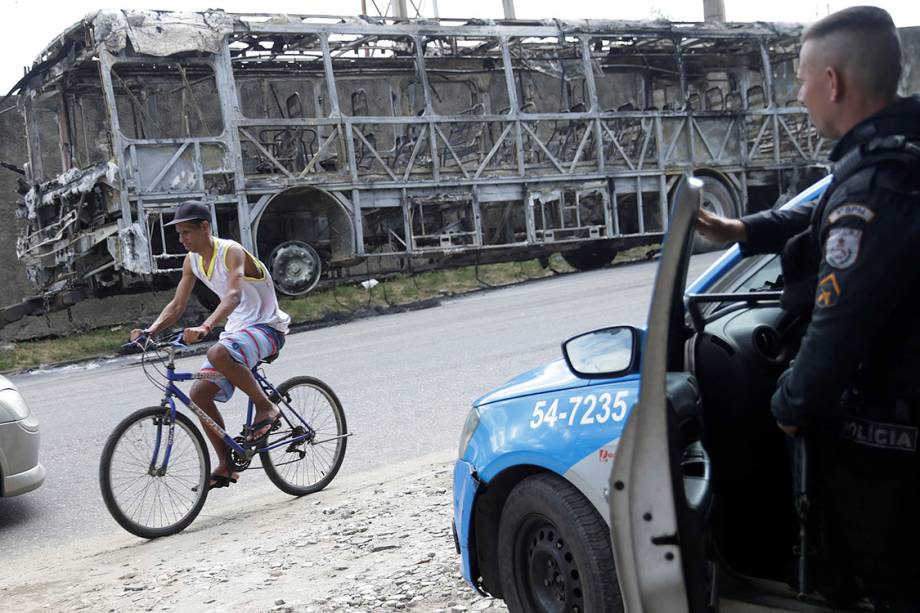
(246, 346)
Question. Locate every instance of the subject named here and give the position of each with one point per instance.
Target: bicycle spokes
(153, 475)
(304, 456)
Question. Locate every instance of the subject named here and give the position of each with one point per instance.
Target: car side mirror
(607, 352)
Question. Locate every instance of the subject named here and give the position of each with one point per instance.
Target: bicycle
(155, 466)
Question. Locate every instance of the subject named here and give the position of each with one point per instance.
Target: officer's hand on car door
(720, 229)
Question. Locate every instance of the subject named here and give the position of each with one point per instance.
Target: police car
(551, 460)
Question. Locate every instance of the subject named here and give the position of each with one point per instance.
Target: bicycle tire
(291, 474)
(118, 465)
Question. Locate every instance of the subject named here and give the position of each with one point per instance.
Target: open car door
(657, 498)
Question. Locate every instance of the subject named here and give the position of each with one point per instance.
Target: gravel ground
(376, 541)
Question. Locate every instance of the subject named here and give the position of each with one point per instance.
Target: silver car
(20, 470)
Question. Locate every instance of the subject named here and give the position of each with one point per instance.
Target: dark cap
(191, 210)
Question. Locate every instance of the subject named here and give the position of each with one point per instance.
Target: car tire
(554, 552)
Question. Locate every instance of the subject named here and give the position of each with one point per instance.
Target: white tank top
(258, 303)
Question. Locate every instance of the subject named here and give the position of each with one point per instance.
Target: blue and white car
(532, 510)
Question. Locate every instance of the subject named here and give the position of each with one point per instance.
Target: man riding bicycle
(254, 330)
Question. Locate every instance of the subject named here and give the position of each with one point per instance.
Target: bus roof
(165, 33)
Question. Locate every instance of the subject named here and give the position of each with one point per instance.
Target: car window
(759, 273)
(766, 276)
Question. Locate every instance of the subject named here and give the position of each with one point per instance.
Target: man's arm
(176, 307)
(866, 255)
(764, 232)
(235, 270)
(768, 231)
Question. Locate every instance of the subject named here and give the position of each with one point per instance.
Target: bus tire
(206, 298)
(589, 257)
(719, 199)
(295, 267)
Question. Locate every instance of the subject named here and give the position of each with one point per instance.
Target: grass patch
(341, 301)
(400, 290)
(29, 354)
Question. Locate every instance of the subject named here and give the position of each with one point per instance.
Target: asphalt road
(406, 381)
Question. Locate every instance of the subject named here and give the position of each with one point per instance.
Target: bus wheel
(206, 298)
(719, 199)
(295, 268)
(589, 257)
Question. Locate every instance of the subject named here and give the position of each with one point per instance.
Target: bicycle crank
(240, 461)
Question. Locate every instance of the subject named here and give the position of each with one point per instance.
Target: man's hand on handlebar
(189, 336)
(196, 334)
(139, 338)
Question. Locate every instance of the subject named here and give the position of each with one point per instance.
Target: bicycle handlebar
(146, 340)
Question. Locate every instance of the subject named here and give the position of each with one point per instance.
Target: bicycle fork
(159, 422)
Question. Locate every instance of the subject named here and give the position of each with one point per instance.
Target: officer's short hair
(866, 44)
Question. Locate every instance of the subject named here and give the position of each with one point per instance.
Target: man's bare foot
(262, 425)
(220, 478)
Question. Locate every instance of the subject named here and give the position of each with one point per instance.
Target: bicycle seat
(269, 359)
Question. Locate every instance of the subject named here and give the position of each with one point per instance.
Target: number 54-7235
(584, 410)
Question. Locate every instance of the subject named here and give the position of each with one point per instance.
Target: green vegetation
(339, 302)
(30, 354)
(344, 300)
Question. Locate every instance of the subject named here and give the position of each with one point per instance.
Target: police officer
(854, 257)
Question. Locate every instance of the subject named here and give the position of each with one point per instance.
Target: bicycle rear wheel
(309, 465)
(143, 498)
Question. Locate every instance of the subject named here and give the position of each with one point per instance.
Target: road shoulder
(378, 540)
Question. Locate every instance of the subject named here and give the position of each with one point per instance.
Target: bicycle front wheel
(306, 466)
(146, 498)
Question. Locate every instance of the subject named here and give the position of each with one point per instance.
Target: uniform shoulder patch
(828, 291)
(842, 247)
(851, 210)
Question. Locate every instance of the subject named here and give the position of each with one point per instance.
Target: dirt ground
(375, 541)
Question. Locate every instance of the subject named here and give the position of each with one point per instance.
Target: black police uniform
(854, 259)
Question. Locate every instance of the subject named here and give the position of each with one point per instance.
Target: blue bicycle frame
(172, 392)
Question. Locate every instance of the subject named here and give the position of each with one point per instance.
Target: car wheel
(554, 551)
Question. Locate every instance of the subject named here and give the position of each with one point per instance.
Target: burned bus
(332, 147)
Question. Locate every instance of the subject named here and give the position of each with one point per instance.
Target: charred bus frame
(344, 144)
